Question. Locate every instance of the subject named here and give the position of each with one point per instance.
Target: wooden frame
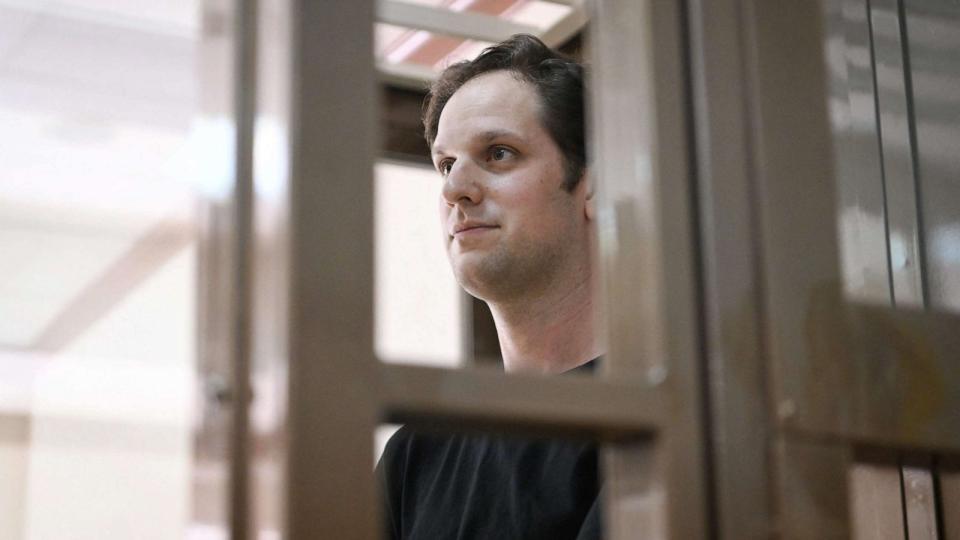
(838, 374)
(739, 383)
(647, 253)
(337, 389)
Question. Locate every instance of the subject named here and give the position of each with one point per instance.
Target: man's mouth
(470, 229)
(473, 231)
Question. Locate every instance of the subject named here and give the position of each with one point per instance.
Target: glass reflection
(101, 129)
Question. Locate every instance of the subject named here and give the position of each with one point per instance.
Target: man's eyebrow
(487, 136)
(484, 137)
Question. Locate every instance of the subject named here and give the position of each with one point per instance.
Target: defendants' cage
(741, 389)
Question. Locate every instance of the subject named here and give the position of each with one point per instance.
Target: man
(506, 135)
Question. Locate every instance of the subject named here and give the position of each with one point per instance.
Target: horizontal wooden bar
(881, 376)
(572, 3)
(486, 397)
(567, 27)
(406, 75)
(448, 22)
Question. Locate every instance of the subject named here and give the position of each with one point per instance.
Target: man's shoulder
(406, 439)
(397, 448)
(408, 445)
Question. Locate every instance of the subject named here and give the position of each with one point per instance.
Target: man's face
(509, 226)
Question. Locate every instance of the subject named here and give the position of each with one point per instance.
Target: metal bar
(488, 397)
(244, 103)
(331, 411)
(452, 23)
(215, 456)
(646, 245)
(269, 353)
(901, 191)
(738, 392)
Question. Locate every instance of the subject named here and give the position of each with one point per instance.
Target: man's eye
(499, 153)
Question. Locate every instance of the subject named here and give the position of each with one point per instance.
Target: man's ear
(590, 199)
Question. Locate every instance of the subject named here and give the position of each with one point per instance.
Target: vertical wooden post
(331, 491)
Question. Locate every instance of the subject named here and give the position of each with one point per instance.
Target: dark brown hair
(557, 79)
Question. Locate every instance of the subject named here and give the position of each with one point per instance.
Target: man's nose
(462, 184)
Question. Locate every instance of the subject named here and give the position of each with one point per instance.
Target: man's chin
(483, 276)
(473, 272)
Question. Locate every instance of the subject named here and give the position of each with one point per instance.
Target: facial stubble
(507, 273)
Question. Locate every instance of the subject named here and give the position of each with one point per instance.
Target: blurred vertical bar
(930, 30)
(269, 359)
(244, 105)
(794, 191)
(930, 34)
(213, 476)
(875, 484)
(641, 155)
(332, 410)
(906, 263)
(738, 397)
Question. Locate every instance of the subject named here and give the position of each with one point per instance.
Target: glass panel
(863, 237)
(101, 119)
(933, 36)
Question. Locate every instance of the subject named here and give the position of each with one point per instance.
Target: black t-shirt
(470, 486)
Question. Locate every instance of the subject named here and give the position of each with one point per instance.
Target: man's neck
(551, 333)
